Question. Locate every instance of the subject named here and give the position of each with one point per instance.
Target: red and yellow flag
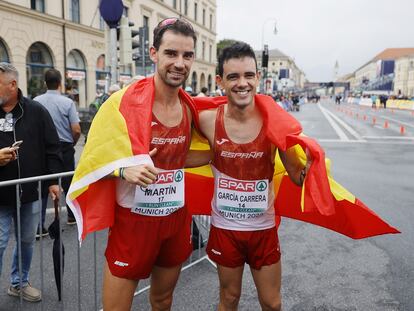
(120, 136)
(321, 201)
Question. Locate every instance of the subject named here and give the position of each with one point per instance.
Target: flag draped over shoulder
(321, 200)
(119, 137)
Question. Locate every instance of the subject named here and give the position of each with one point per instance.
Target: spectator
(383, 101)
(218, 92)
(286, 104)
(39, 154)
(134, 79)
(66, 120)
(374, 100)
(97, 103)
(189, 90)
(203, 92)
(338, 99)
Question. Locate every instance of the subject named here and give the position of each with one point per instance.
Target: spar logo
(165, 177)
(179, 176)
(245, 186)
(261, 186)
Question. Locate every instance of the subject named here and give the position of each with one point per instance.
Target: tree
(223, 44)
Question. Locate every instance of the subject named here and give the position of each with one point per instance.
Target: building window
(204, 17)
(4, 56)
(211, 21)
(76, 77)
(38, 5)
(74, 11)
(145, 21)
(194, 82)
(210, 53)
(102, 76)
(195, 11)
(175, 4)
(203, 50)
(38, 61)
(185, 7)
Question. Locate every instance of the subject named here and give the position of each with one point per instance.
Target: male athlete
(243, 218)
(151, 231)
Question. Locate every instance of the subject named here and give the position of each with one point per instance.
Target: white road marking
(390, 137)
(335, 126)
(377, 141)
(342, 123)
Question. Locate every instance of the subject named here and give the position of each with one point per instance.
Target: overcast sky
(317, 33)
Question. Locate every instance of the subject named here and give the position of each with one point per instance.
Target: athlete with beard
(149, 238)
(243, 217)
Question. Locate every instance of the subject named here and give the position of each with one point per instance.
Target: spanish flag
(120, 136)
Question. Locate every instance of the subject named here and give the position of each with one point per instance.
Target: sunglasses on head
(171, 21)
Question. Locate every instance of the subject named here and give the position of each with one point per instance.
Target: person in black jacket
(22, 119)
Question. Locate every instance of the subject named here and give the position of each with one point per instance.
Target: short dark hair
(236, 50)
(204, 89)
(53, 79)
(176, 25)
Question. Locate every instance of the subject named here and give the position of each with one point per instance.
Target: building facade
(283, 71)
(69, 35)
(404, 76)
(391, 71)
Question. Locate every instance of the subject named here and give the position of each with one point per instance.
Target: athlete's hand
(7, 155)
(142, 175)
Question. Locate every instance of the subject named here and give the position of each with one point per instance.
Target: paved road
(322, 270)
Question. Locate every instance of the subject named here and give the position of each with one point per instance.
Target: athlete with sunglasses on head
(151, 237)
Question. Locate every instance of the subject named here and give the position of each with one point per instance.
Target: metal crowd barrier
(89, 259)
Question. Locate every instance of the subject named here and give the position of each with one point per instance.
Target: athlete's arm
(197, 158)
(202, 157)
(294, 167)
(207, 122)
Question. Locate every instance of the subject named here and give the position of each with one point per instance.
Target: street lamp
(263, 28)
(264, 66)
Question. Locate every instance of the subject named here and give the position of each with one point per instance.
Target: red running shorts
(136, 242)
(231, 248)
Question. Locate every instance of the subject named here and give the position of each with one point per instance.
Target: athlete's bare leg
(117, 292)
(163, 281)
(230, 287)
(267, 281)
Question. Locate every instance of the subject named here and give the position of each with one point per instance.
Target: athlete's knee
(161, 302)
(230, 299)
(274, 304)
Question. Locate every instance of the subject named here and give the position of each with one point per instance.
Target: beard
(3, 100)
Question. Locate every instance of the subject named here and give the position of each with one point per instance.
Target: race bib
(162, 198)
(241, 199)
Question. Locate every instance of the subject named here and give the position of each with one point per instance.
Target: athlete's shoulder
(208, 115)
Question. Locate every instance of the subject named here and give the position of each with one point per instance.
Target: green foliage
(221, 45)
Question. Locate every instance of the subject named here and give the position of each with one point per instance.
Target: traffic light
(126, 41)
(265, 56)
